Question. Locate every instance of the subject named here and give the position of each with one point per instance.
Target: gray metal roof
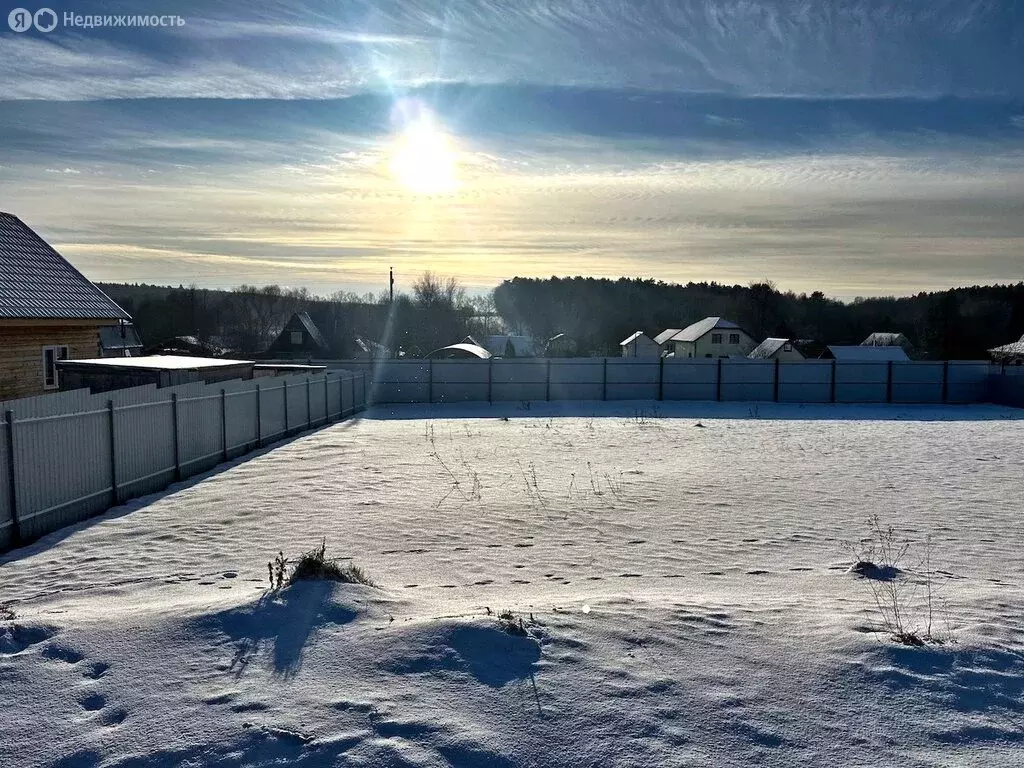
(859, 354)
(766, 348)
(119, 337)
(36, 282)
(886, 339)
(665, 335)
(635, 335)
(701, 327)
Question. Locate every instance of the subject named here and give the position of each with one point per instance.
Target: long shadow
(133, 505)
(652, 410)
(287, 620)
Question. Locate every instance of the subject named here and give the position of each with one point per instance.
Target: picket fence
(70, 455)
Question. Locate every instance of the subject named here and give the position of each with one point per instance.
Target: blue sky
(861, 148)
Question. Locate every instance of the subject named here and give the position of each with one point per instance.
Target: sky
(858, 147)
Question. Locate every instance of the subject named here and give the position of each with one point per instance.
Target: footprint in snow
(60, 653)
(96, 670)
(93, 702)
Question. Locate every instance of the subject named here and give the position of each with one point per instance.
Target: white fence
(807, 381)
(67, 456)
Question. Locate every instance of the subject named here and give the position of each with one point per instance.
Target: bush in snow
(315, 565)
(6, 612)
(906, 614)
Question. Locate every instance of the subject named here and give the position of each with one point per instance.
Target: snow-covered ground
(684, 566)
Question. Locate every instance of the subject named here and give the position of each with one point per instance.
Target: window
(734, 338)
(296, 338)
(50, 357)
(787, 347)
(716, 338)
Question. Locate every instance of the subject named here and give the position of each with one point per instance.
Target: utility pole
(391, 280)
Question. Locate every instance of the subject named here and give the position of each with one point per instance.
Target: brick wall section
(21, 354)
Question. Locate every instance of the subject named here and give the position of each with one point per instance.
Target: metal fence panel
(144, 439)
(63, 471)
(200, 439)
(6, 512)
(808, 381)
(272, 409)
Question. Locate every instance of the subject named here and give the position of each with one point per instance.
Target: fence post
(12, 481)
(832, 385)
(718, 381)
(327, 400)
(490, 379)
(177, 440)
(285, 390)
(224, 422)
(776, 393)
(309, 403)
(352, 381)
(363, 388)
(113, 454)
(661, 378)
(604, 378)
(945, 381)
(888, 382)
(547, 379)
(259, 415)
(341, 398)
(430, 380)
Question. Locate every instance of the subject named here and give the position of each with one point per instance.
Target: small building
(662, 339)
(107, 373)
(508, 345)
(300, 339)
(120, 340)
(777, 349)
(49, 311)
(711, 337)
(461, 351)
(889, 339)
(1012, 353)
(640, 345)
(862, 354)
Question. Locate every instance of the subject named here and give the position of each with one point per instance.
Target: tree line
(593, 314)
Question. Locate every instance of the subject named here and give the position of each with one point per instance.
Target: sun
(423, 159)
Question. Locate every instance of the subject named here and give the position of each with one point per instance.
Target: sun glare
(423, 160)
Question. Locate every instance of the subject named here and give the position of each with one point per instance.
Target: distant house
(120, 341)
(506, 345)
(189, 346)
(662, 339)
(710, 337)
(640, 345)
(367, 349)
(49, 311)
(300, 339)
(889, 339)
(861, 354)
(779, 349)
(1009, 353)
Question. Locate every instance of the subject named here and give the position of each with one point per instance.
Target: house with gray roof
(639, 344)
(863, 354)
(1009, 353)
(49, 311)
(711, 337)
(300, 339)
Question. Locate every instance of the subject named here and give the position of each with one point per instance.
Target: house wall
(21, 354)
(703, 347)
(642, 346)
(782, 354)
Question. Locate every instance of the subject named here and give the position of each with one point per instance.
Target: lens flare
(423, 158)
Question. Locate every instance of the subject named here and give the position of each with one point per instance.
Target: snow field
(687, 586)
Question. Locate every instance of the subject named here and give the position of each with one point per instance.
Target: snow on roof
(862, 354)
(636, 335)
(1014, 349)
(473, 349)
(885, 339)
(158, 362)
(665, 335)
(37, 282)
(767, 348)
(701, 327)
